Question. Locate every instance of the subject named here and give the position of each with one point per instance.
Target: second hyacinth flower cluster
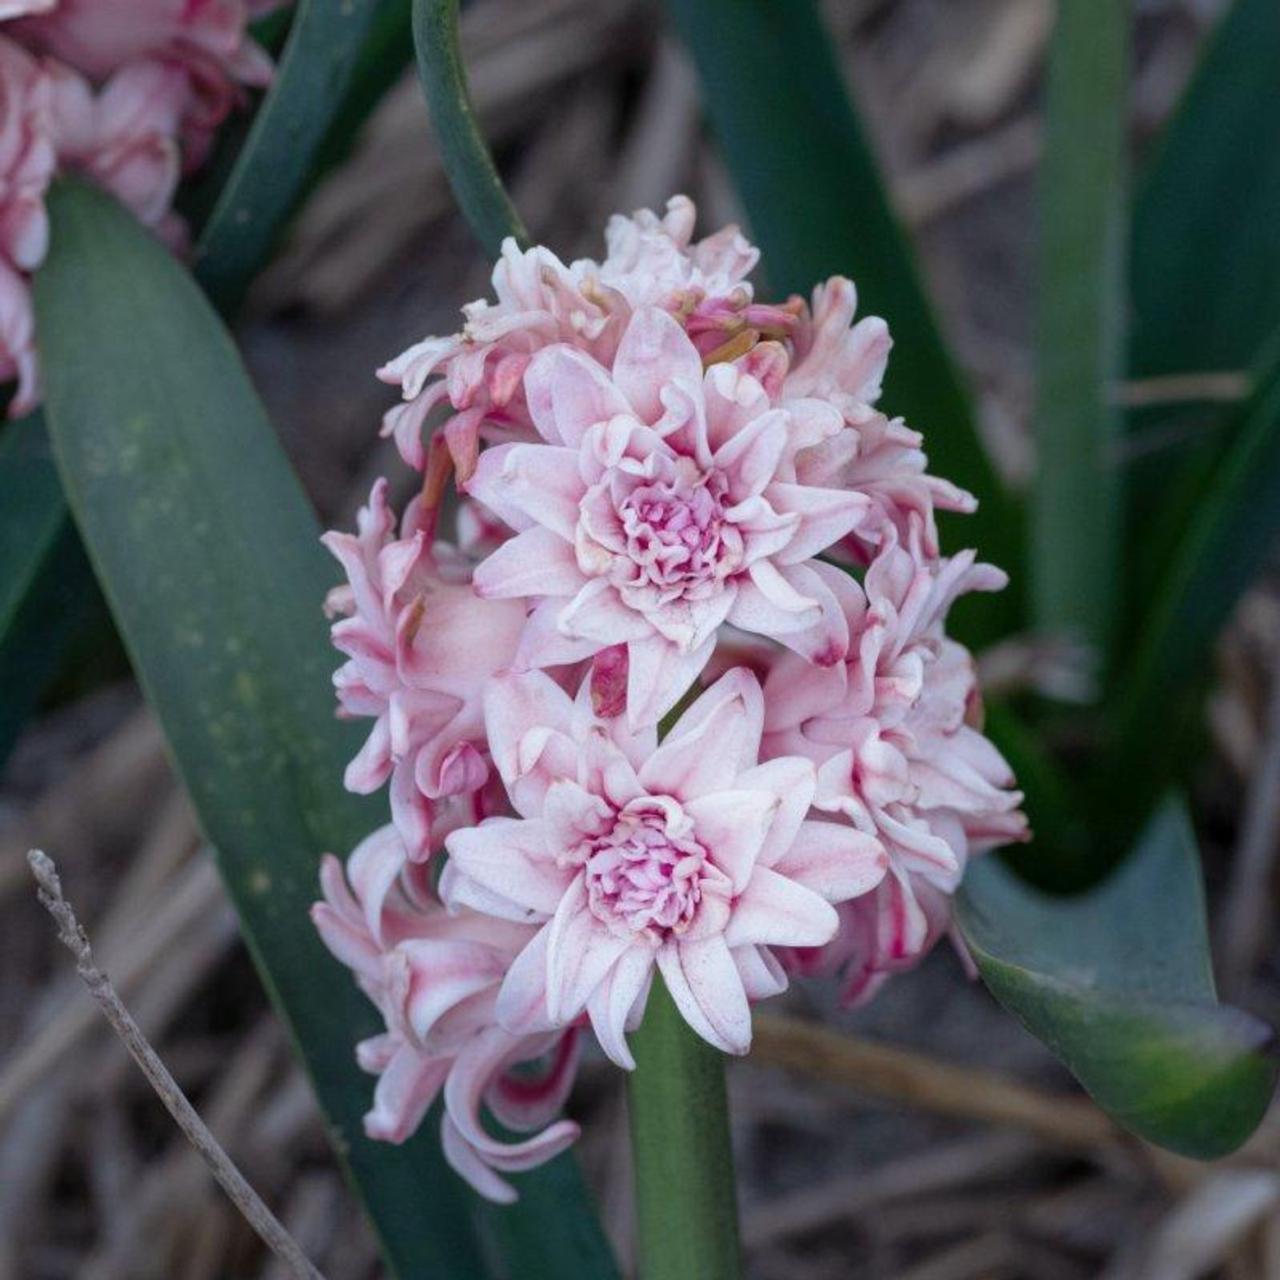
(678, 699)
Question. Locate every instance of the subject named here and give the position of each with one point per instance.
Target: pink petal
(471, 1075)
(508, 856)
(736, 695)
(704, 983)
(793, 781)
(596, 613)
(658, 676)
(776, 911)
(464, 1161)
(537, 562)
(580, 953)
(533, 1098)
(826, 515)
(543, 644)
(655, 352)
(733, 826)
(487, 486)
(613, 1004)
(522, 714)
(444, 973)
(818, 630)
(568, 392)
(372, 765)
(762, 976)
(834, 860)
(404, 1094)
(751, 457)
(540, 480)
(522, 999)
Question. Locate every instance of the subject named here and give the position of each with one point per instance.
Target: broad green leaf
(275, 164)
(817, 205)
(1118, 983)
(46, 586)
(475, 182)
(208, 553)
(1075, 525)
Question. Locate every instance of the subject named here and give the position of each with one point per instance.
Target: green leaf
(1204, 270)
(1231, 536)
(1118, 983)
(1205, 257)
(1075, 543)
(276, 162)
(46, 586)
(467, 161)
(686, 1201)
(818, 207)
(208, 553)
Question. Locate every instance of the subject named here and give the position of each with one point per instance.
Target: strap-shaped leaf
(208, 553)
(1233, 532)
(1204, 274)
(1075, 527)
(46, 586)
(818, 207)
(475, 182)
(275, 164)
(1118, 984)
(1205, 257)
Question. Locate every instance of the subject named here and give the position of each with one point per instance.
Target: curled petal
(707, 989)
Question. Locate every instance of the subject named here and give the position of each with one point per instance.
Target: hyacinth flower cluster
(126, 93)
(678, 701)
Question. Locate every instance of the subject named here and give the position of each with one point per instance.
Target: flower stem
(467, 161)
(686, 1204)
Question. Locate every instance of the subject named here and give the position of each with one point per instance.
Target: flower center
(677, 537)
(645, 876)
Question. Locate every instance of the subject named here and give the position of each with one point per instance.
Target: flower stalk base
(686, 1200)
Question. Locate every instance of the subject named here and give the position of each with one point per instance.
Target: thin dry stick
(1213, 387)
(919, 1081)
(233, 1182)
(1242, 924)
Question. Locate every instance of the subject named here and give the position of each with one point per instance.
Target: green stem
(686, 1204)
(467, 161)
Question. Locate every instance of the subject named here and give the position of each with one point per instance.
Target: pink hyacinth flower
(28, 160)
(124, 136)
(421, 649)
(207, 39)
(434, 976)
(661, 502)
(28, 157)
(894, 733)
(539, 301)
(688, 857)
(843, 363)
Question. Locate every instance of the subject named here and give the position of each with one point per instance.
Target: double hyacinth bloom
(126, 93)
(678, 503)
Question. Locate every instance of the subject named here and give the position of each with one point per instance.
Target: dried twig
(1212, 387)
(921, 1082)
(1246, 911)
(191, 900)
(72, 934)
